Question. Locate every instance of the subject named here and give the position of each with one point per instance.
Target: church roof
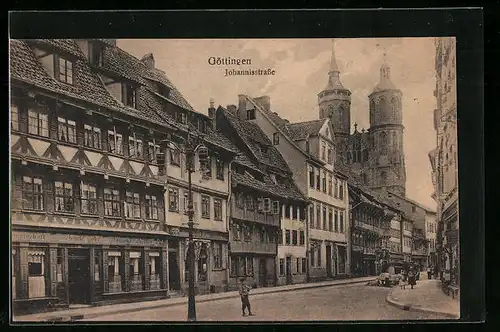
(385, 82)
(301, 130)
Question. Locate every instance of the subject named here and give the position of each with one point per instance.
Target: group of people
(408, 278)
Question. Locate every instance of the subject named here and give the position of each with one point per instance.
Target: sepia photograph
(234, 180)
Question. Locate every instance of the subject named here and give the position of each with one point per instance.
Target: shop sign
(39, 237)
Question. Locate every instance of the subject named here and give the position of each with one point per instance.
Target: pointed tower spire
(334, 79)
(385, 82)
(333, 63)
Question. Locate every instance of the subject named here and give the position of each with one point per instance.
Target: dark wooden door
(289, 270)
(329, 261)
(262, 272)
(174, 272)
(78, 276)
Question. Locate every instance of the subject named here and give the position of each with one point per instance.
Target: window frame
(151, 207)
(14, 117)
(276, 138)
(42, 118)
(217, 207)
(37, 196)
(63, 127)
(133, 204)
(90, 201)
(129, 95)
(135, 146)
(113, 146)
(219, 168)
(205, 208)
(173, 205)
(66, 77)
(68, 201)
(92, 136)
(114, 201)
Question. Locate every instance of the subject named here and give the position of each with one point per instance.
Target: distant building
(444, 161)
(430, 234)
(264, 203)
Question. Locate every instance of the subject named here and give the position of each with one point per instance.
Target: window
(302, 238)
(330, 219)
(250, 203)
(217, 252)
(175, 157)
(287, 237)
(153, 151)
(95, 54)
(303, 213)
(336, 189)
(206, 167)
(240, 200)
(311, 176)
(66, 130)
(112, 202)
(319, 256)
(217, 209)
(135, 146)
(38, 122)
(287, 211)
(276, 207)
(341, 221)
(89, 198)
(14, 117)
(330, 184)
(330, 156)
(282, 267)
(324, 182)
(276, 138)
(383, 138)
(173, 199)
(383, 177)
(336, 222)
(324, 217)
(65, 71)
(311, 216)
(312, 256)
(133, 205)
(341, 189)
(129, 95)
(318, 216)
(294, 237)
(151, 207)
(304, 265)
(64, 197)
(236, 228)
(318, 180)
(219, 165)
(250, 114)
(205, 207)
(92, 136)
(295, 212)
(115, 142)
(33, 198)
(249, 266)
(365, 155)
(323, 151)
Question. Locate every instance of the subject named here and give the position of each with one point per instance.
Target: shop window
(217, 252)
(151, 207)
(36, 273)
(115, 271)
(64, 197)
(282, 267)
(92, 136)
(218, 209)
(38, 122)
(133, 205)
(112, 202)
(115, 142)
(202, 263)
(66, 130)
(154, 266)
(14, 117)
(135, 146)
(59, 266)
(97, 265)
(33, 198)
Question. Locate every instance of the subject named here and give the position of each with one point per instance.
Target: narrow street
(349, 302)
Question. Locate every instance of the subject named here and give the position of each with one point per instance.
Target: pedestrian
(402, 281)
(411, 278)
(429, 273)
(245, 302)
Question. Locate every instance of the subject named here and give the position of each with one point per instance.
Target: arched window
(383, 177)
(383, 138)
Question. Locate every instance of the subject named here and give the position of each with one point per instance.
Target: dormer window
(163, 90)
(276, 138)
(202, 125)
(95, 54)
(181, 117)
(250, 114)
(64, 70)
(129, 95)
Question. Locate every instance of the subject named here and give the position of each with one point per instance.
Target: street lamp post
(193, 144)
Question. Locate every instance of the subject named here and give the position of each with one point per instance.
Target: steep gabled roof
(301, 130)
(68, 46)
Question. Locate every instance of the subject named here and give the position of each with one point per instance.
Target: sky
(301, 72)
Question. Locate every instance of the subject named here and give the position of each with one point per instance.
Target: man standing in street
(245, 302)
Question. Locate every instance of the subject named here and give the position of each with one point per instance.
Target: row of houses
(99, 195)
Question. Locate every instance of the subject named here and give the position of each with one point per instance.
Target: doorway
(289, 270)
(78, 276)
(328, 261)
(262, 272)
(174, 274)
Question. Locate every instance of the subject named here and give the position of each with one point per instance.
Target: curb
(409, 307)
(172, 304)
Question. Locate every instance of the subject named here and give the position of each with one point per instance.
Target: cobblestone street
(350, 302)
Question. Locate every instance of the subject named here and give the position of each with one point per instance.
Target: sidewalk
(426, 296)
(92, 312)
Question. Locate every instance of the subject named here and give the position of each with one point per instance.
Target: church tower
(335, 103)
(386, 130)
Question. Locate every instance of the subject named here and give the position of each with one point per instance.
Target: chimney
(232, 109)
(148, 60)
(264, 101)
(212, 113)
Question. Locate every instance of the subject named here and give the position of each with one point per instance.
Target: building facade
(89, 175)
(309, 149)
(444, 161)
(430, 234)
(267, 210)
